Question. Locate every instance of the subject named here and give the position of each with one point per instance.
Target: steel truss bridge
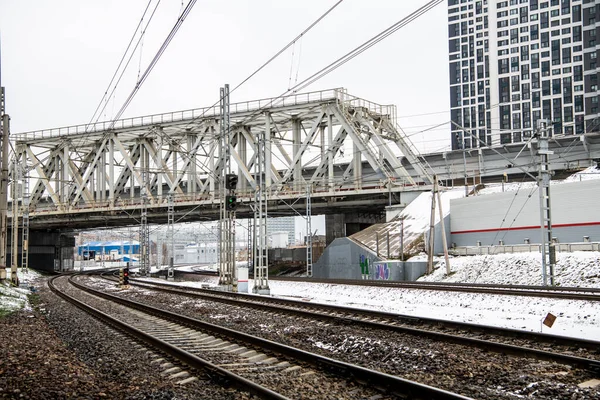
(312, 144)
(346, 153)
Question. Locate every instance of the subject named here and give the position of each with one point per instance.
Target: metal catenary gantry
(101, 174)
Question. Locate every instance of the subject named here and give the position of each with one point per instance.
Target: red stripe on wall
(520, 228)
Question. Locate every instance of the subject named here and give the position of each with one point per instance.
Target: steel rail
(260, 302)
(570, 293)
(185, 357)
(392, 384)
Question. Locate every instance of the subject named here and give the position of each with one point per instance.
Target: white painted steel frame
(101, 169)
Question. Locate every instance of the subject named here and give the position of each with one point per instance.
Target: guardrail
(522, 248)
(339, 94)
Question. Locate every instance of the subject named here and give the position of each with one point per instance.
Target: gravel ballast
(56, 351)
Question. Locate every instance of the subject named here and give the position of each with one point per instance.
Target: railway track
(502, 340)
(265, 368)
(566, 293)
(569, 293)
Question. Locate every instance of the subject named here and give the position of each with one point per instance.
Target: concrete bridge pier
(342, 225)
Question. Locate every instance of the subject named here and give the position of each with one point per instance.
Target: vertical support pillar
(144, 233)
(171, 231)
(267, 156)
(547, 245)
(335, 227)
(243, 154)
(227, 269)
(309, 244)
(297, 144)
(357, 167)
(191, 185)
(330, 171)
(64, 185)
(3, 187)
(111, 172)
(25, 213)
(431, 233)
(442, 225)
(261, 260)
(14, 248)
(323, 152)
(159, 168)
(103, 174)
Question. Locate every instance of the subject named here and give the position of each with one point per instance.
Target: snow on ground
(579, 269)
(575, 318)
(579, 319)
(15, 298)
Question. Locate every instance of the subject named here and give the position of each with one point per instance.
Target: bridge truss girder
(101, 170)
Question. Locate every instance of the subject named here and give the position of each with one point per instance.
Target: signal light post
(124, 277)
(228, 183)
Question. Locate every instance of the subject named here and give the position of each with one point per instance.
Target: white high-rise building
(515, 62)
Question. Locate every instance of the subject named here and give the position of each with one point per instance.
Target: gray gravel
(304, 383)
(465, 370)
(57, 351)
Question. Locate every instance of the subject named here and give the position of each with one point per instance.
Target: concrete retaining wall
(346, 259)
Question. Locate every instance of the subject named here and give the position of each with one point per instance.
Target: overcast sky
(59, 56)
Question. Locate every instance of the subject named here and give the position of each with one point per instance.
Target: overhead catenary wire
(342, 60)
(99, 112)
(367, 45)
(154, 61)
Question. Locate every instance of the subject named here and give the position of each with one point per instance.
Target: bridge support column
(341, 225)
(335, 227)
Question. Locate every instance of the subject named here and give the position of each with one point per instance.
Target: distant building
(200, 253)
(113, 250)
(279, 240)
(513, 63)
(282, 224)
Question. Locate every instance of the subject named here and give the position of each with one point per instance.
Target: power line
(366, 45)
(160, 52)
(284, 48)
(121, 62)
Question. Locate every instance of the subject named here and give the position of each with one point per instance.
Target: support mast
(548, 247)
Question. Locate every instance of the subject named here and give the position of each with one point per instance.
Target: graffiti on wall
(364, 265)
(382, 271)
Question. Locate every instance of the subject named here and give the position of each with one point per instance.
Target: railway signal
(231, 181)
(230, 203)
(126, 276)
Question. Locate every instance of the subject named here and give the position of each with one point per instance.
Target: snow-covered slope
(579, 269)
(416, 221)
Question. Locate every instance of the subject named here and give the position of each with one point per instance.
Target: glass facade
(517, 61)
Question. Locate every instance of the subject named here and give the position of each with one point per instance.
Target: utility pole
(261, 257)
(25, 219)
(227, 270)
(544, 173)
(144, 233)
(170, 231)
(15, 225)
(4, 119)
(445, 244)
(309, 244)
(431, 231)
